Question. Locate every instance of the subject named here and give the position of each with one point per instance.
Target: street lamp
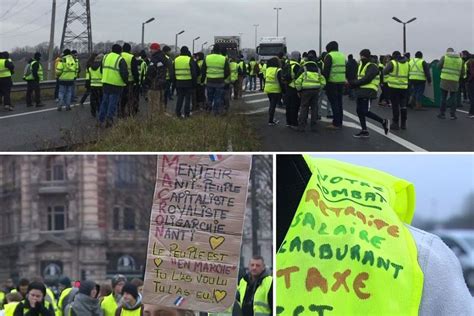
(256, 26)
(176, 42)
(194, 41)
(404, 31)
(277, 10)
(320, 27)
(143, 30)
(202, 46)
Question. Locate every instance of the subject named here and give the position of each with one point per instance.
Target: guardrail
(45, 85)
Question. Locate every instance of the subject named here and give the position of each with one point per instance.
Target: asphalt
(40, 129)
(425, 132)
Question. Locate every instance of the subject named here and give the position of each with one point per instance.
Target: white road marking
(252, 94)
(36, 112)
(256, 101)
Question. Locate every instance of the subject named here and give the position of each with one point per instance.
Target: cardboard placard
(196, 231)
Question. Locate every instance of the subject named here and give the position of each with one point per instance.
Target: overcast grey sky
(442, 182)
(356, 24)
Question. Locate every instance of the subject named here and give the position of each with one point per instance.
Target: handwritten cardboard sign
(196, 231)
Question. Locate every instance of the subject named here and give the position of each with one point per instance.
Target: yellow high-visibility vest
(338, 68)
(272, 85)
(111, 70)
(416, 69)
(182, 69)
(4, 71)
(399, 75)
(109, 305)
(260, 298)
(215, 64)
(452, 68)
(374, 84)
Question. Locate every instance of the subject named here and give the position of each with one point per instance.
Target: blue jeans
(215, 97)
(65, 96)
(418, 91)
(252, 81)
(108, 107)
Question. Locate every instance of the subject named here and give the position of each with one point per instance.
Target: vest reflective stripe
(271, 80)
(49, 298)
(452, 68)
(260, 298)
(324, 243)
(95, 76)
(111, 70)
(399, 75)
(416, 69)
(63, 295)
(143, 70)
(10, 308)
(293, 63)
(182, 68)
(234, 73)
(4, 71)
(200, 63)
(66, 68)
(215, 66)
(128, 59)
(309, 79)
(109, 305)
(374, 84)
(338, 67)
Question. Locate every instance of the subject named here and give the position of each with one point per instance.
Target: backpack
(286, 72)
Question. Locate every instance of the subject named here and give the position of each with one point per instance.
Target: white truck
(270, 47)
(232, 43)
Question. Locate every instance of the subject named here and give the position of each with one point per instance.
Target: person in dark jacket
(184, 87)
(86, 94)
(417, 84)
(85, 302)
(7, 68)
(292, 99)
(367, 86)
(351, 73)
(155, 80)
(470, 84)
(34, 304)
(131, 299)
(95, 90)
(33, 81)
(129, 99)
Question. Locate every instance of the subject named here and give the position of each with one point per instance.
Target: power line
(19, 11)
(8, 11)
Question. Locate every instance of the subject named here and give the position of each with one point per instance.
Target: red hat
(155, 46)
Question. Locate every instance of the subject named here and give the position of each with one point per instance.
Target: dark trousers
(470, 93)
(274, 99)
(385, 95)
(167, 91)
(96, 100)
(5, 90)
(292, 106)
(33, 86)
(129, 100)
(334, 92)
(184, 94)
(398, 98)
(85, 95)
(309, 102)
(56, 89)
(363, 111)
(262, 81)
(453, 100)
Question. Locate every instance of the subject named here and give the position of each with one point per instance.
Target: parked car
(461, 243)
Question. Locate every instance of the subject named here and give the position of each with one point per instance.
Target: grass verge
(202, 132)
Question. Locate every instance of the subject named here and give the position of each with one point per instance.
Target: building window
(125, 170)
(116, 218)
(7, 225)
(55, 169)
(128, 219)
(57, 219)
(126, 263)
(52, 270)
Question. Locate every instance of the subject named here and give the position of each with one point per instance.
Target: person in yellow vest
(7, 68)
(131, 304)
(155, 310)
(273, 87)
(463, 96)
(292, 99)
(367, 85)
(12, 301)
(85, 302)
(114, 79)
(75, 56)
(65, 295)
(334, 70)
(398, 71)
(254, 291)
(242, 75)
(253, 71)
(33, 79)
(184, 75)
(129, 98)
(94, 81)
(66, 73)
(452, 71)
(261, 74)
(168, 89)
(309, 83)
(214, 71)
(144, 61)
(110, 303)
(34, 302)
(234, 77)
(325, 265)
(419, 75)
(200, 87)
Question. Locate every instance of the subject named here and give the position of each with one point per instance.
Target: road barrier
(45, 85)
